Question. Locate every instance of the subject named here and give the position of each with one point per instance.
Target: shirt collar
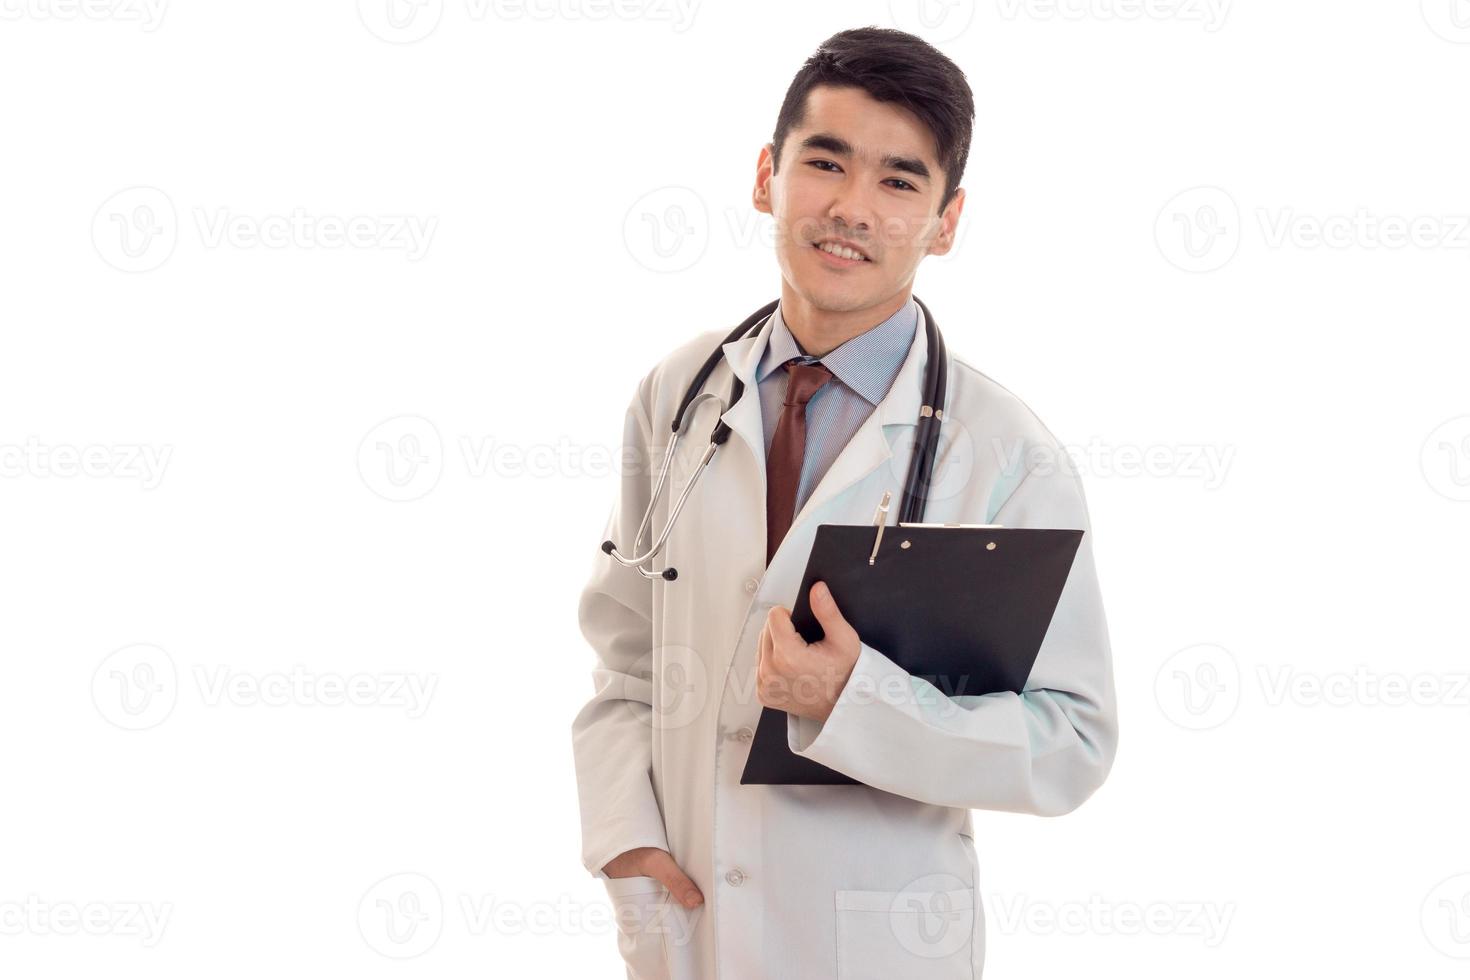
(867, 363)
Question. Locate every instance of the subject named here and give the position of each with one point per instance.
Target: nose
(851, 207)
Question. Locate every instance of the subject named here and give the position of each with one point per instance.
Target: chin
(822, 290)
(838, 297)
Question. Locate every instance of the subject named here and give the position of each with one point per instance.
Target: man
(709, 878)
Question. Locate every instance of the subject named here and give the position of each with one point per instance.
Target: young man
(712, 879)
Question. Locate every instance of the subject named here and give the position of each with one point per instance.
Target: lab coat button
(751, 585)
(744, 735)
(735, 877)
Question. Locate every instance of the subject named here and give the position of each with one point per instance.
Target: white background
(390, 459)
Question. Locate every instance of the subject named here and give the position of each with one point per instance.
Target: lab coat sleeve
(1043, 751)
(612, 733)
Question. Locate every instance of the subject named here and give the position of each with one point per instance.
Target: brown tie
(788, 449)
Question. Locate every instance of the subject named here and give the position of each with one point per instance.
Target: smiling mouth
(840, 252)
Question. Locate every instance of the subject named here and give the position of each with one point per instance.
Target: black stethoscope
(921, 464)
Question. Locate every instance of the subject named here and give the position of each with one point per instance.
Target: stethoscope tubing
(921, 464)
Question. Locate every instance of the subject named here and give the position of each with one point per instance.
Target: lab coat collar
(866, 364)
(899, 407)
(868, 448)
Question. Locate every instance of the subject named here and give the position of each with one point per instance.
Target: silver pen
(879, 517)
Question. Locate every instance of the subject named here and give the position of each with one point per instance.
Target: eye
(819, 163)
(906, 184)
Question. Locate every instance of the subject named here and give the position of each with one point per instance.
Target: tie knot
(805, 379)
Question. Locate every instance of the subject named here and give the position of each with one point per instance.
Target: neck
(819, 331)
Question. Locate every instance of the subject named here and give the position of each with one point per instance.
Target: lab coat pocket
(923, 935)
(649, 925)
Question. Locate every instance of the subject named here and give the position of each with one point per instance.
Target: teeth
(839, 251)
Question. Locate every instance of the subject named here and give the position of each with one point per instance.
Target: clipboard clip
(880, 518)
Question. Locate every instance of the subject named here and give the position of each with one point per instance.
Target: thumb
(661, 865)
(824, 607)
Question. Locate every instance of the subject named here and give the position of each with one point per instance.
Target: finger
(661, 865)
(779, 623)
(763, 664)
(824, 607)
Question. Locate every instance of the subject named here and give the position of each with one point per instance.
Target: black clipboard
(963, 606)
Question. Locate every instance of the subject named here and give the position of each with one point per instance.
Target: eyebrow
(838, 146)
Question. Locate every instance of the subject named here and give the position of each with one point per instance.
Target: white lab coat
(817, 882)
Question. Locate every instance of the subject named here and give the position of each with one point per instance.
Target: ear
(948, 222)
(761, 195)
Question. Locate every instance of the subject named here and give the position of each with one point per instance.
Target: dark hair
(891, 66)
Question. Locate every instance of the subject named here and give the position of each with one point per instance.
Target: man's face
(864, 172)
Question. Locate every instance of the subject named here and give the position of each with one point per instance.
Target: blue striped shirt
(863, 369)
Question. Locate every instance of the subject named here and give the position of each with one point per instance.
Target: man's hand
(655, 862)
(805, 678)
